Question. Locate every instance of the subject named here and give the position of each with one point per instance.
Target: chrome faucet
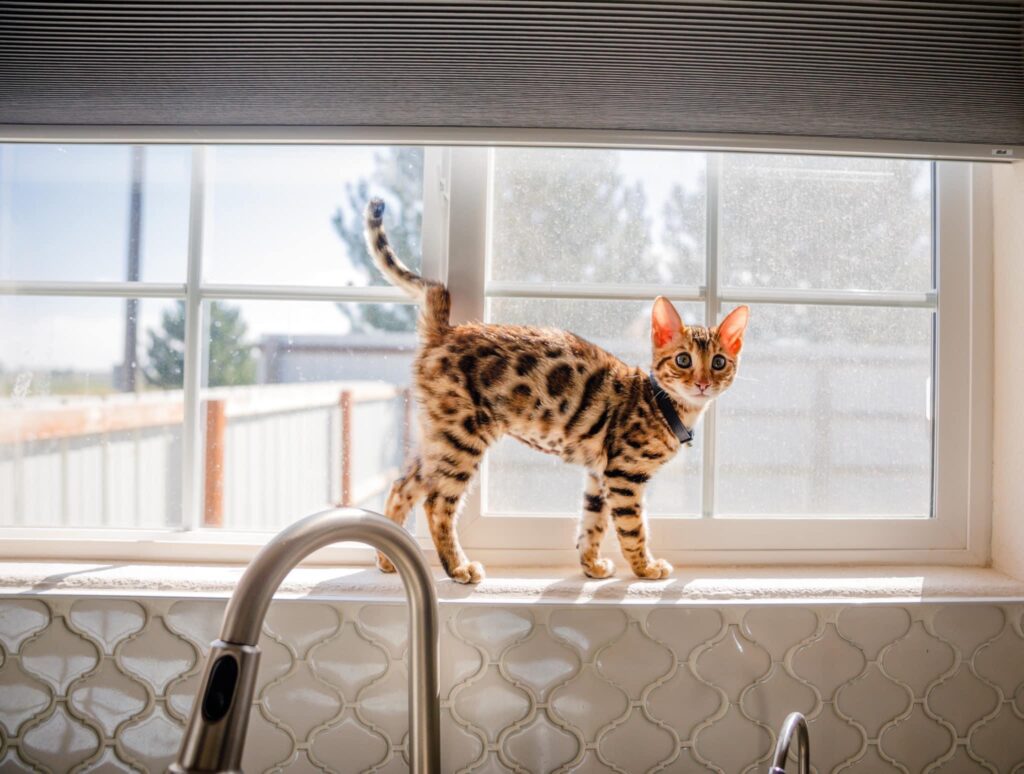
(215, 735)
(794, 722)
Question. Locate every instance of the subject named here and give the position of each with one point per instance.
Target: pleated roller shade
(874, 70)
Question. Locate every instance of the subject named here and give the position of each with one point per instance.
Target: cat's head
(692, 363)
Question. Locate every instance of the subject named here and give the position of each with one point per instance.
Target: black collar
(669, 412)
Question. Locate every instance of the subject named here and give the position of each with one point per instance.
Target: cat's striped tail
(435, 303)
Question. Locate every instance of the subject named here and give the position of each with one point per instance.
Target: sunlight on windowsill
(524, 584)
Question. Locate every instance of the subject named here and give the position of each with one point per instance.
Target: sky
(64, 216)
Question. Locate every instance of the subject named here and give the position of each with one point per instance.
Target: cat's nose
(702, 386)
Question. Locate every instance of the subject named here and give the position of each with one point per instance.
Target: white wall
(1008, 441)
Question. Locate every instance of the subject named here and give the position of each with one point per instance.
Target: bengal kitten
(556, 393)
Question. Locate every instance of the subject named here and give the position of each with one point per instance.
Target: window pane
(825, 223)
(829, 415)
(570, 215)
(293, 215)
(520, 480)
(65, 212)
(306, 408)
(86, 441)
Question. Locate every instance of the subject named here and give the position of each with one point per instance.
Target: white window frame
(456, 225)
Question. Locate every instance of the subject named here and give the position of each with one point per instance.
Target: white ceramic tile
(836, 740)
(156, 656)
(588, 702)
(301, 702)
(590, 763)
(11, 763)
(683, 702)
(386, 625)
(349, 662)
(491, 703)
(587, 631)
(962, 700)
(109, 697)
(1000, 741)
(873, 700)
(20, 619)
(772, 699)
(828, 662)
(918, 659)
(300, 626)
(683, 629)
(266, 745)
(872, 627)
(198, 621)
(686, 763)
(634, 661)
(460, 661)
(540, 663)
(348, 745)
(732, 663)
(180, 695)
(107, 763)
(1001, 662)
(58, 656)
(493, 629)
(60, 742)
(492, 765)
(637, 744)
(779, 628)
(107, 621)
(276, 660)
(301, 764)
(961, 763)
(917, 740)
(536, 648)
(385, 703)
(152, 742)
(733, 743)
(871, 762)
(968, 626)
(459, 747)
(24, 697)
(540, 746)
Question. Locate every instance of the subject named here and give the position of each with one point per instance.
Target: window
(201, 350)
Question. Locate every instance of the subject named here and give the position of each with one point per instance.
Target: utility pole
(130, 369)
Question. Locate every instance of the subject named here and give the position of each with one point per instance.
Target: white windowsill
(532, 585)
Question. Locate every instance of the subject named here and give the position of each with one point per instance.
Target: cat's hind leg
(450, 461)
(405, 493)
(593, 524)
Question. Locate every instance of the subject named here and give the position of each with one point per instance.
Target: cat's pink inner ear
(665, 322)
(730, 330)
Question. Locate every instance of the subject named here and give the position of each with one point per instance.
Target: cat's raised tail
(435, 303)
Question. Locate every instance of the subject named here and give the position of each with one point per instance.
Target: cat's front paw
(384, 564)
(600, 568)
(655, 570)
(470, 572)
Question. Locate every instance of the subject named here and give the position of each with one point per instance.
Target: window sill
(538, 585)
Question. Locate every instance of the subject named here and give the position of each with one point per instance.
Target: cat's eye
(683, 360)
(718, 362)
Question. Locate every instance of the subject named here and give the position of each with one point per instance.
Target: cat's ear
(730, 330)
(665, 322)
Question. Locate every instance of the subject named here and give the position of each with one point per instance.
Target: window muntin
(831, 416)
(442, 228)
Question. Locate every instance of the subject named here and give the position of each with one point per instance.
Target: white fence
(270, 452)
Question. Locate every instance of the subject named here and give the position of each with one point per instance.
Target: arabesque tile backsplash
(102, 683)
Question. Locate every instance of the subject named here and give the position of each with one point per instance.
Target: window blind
(874, 70)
